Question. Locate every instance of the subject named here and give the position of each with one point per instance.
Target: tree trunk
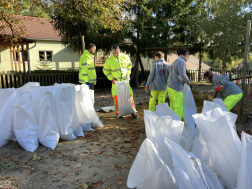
(199, 73)
(224, 66)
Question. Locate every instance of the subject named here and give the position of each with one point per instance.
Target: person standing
(87, 73)
(158, 80)
(226, 89)
(118, 68)
(176, 80)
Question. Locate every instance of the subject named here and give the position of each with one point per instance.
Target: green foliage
(35, 157)
(4, 166)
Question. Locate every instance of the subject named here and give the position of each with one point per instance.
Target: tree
(226, 29)
(101, 22)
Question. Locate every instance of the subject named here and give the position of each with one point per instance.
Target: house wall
(61, 58)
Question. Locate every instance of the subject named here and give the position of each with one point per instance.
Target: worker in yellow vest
(87, 72)
(117, 68)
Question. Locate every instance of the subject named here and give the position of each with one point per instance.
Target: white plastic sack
(186, 140)
(188, 170)
(63, 98)
(107, 109)
(244, 179)
(48, 122)
(92, 95)
(84, 121)
(149, 171)
(157, 128)
(222, 143)
(89, 108)
(212, 179)
(125, 106)
(7, 101)
(79, 131)
(189, 108)
(25, 125)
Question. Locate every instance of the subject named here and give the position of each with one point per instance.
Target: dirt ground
(102, 159)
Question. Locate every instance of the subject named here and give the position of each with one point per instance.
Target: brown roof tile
(37, 28)
(192, 62)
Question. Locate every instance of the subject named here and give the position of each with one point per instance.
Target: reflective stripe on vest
(108, 74)
(84, 74)
(106, 69)
(84, 64)
(91, 68)
(92, 79)
(81, 80)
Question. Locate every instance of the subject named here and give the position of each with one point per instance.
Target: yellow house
(42, 44)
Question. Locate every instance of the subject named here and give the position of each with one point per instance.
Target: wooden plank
(6, 81)
(12, 68)
(2, 81)
(18, 53)
(28, 59)
(15, 81)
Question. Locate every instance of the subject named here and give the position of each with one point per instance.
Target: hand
(219, 88)
(189, 83)
(146, 88)
(87, 83)
(113, 81)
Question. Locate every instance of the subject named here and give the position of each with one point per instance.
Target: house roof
(192, 62)
(37, 28)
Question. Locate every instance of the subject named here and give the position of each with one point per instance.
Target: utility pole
(245, 67)
(83, 43)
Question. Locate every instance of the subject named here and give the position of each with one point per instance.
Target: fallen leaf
(78, 166)
(94, 174)
(118, 167)
(45, 173)
(29, 173)
(119, 153)
(78, 172)
(72, 174)
(96, 184)
(56, 180)
(15, 160)
(105, 187)
(84, 186)
(120, 182)
(70, 149)
(118, 179)
(64, 175)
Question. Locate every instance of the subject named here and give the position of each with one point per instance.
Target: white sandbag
(107, 109)
(89, 108)
(189, 108)
(48, 121)
(149, 171)
(157, 128)
(84, 121)
(25, 125)
(92, 95)
(63, 98)
(78, 131)
(187, 169)
(222, 143)
(244, 180)
(125, 106)
(7, 101)
(212, 179)
(186, 140)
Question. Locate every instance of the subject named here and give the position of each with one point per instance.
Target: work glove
(219, 88)
(113, 81)
(144, 84)
(146, 88)
(87, 83)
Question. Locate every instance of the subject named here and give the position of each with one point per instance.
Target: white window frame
(45, 56)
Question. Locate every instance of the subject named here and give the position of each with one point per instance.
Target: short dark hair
(208, 75)
(185, 52)
(159, 54)
(115, 46)
(91, 45)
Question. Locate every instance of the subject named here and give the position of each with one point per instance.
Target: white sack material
(107, 109)
(188, 170)
(92, 95)
(244, 179)
(222, 142)
(89, 108)
(48, 122)
(84, 121)
(125, 106)
(157, 128)
(186, 140)
(7, 101)
(149, 171)
(63, 99)
(189, 108)
(25, 125)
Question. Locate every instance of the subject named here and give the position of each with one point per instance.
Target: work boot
(134, 115)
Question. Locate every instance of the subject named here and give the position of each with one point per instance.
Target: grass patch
(4, 166)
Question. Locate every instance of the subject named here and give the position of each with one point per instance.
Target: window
(45, 56)
(21, 57)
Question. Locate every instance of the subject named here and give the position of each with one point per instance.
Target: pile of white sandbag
(36, 114)
(211, 157)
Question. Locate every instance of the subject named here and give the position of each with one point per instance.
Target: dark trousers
(91, 86)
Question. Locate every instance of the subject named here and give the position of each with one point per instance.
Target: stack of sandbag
(7, 102)
(44, 114)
